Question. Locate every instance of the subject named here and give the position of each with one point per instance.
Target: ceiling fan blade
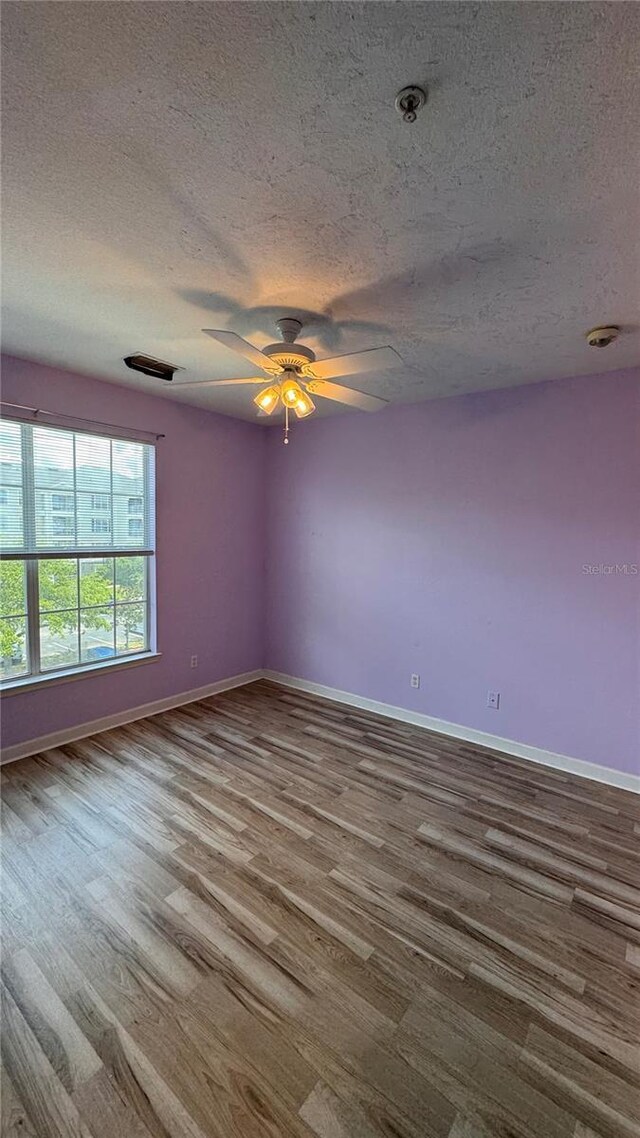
(373, 359)
(347, 395)
(237, 344)
(223, 382)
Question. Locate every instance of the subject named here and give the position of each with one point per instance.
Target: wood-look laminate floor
(266, 915)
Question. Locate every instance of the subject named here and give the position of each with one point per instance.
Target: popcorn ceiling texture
(173, 166)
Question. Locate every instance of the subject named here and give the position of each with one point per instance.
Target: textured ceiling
(173, 166)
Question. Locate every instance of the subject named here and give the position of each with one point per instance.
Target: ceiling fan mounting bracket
(286, 353)
(289, 328)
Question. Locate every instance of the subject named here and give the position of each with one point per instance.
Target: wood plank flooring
(269, 916)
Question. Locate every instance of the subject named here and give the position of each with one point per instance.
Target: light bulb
(290, 392)
(304, 405)
(267, 400)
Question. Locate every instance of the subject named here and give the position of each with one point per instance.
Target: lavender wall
(449, 538)
(210, 491)
(446, 538)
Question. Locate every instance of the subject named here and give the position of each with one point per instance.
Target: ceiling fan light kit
(299, 374)
(290, 394)
(268, 400)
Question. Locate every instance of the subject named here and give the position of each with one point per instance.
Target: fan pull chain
(286, 424)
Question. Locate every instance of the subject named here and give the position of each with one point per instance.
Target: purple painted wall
(210, 509)
(449, 538)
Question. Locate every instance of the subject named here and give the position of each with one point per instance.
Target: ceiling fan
(293, 374)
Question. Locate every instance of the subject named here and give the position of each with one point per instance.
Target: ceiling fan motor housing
(290, 355)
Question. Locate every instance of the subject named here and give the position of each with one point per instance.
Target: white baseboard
(72, 734)
(469, 734)
(440, 726)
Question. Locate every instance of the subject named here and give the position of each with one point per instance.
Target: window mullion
(79, 608)
(29, 533)
(28, 490)
(33, 615)
(111, 509)
(113, 578)
(75, 497)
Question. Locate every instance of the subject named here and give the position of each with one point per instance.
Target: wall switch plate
(415, 680)
(493, 699)
(194, 661)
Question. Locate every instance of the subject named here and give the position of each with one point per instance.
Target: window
(76, 569)
(62, 502)
(135, 505)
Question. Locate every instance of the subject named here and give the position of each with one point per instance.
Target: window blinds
(65, 492)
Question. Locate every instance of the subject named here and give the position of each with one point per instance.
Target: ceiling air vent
(159, 369)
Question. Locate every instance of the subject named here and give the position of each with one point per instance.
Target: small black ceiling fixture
(409, 101)
(159, 369)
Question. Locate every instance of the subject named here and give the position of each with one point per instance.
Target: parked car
(102, 652)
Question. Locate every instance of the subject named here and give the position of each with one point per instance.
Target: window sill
(32, 683)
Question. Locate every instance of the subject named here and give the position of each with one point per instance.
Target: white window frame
(35, 677)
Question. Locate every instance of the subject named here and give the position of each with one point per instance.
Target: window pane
(64, 502)
(14, 659)
(94, 519)
(96, 634)
(96, 581)
(11, 518)
(10, 453)
(62, 527)
(55, 520)
(131, 632)
(59, 640)
(93, 463)
(130, 578)
(53, 459)
(58, 584)
(128, 467)
(13, 591)
(128, 520)
(11, 535)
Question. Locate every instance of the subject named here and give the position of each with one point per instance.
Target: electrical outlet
(194, 661)
(493, 699)
(415, 680)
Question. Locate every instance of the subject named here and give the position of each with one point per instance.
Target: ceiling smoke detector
(602, 337)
